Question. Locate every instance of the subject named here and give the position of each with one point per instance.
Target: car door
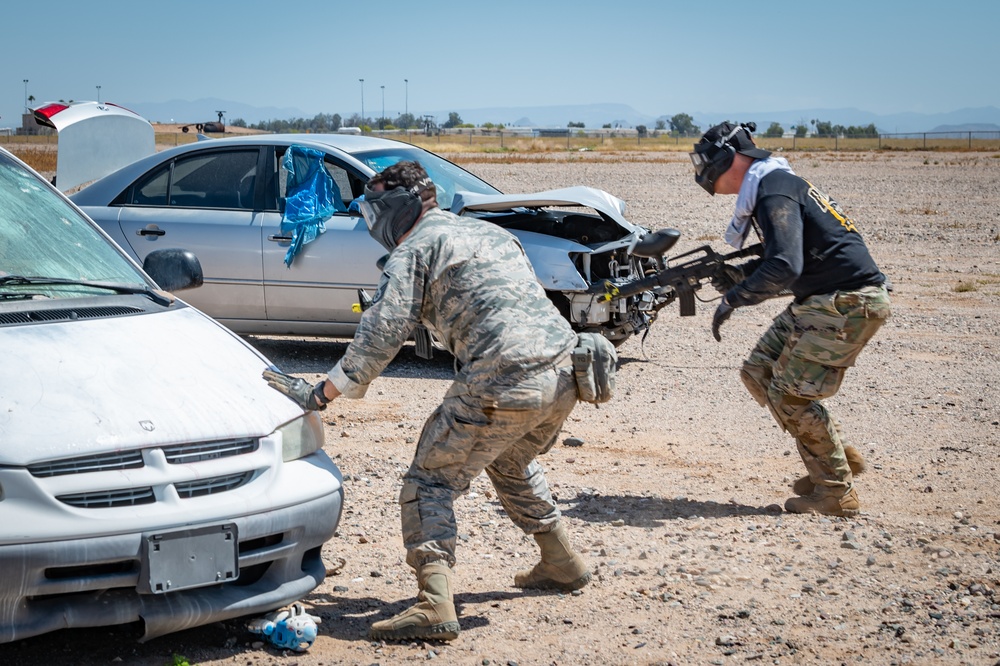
(204, 202)
(322, 282)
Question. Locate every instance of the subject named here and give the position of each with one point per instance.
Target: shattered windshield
(448, 178)
(41, 235)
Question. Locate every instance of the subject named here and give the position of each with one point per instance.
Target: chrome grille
(219, 484)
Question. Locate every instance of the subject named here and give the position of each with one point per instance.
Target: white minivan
(147, 471)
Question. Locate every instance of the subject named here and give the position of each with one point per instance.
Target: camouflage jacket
(470, 283)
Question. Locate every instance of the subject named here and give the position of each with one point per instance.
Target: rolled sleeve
(347, 386)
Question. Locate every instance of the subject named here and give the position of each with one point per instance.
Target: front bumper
(93, 582)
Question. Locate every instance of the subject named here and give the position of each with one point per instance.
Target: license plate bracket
(186, 559)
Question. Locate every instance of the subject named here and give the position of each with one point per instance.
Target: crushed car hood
(606, 204)
(54, 402)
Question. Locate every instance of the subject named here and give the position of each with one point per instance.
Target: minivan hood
(56, 402)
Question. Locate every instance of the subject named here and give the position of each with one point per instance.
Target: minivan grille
(178, 454)
(185, 454)
(64, 314)
(109, 498)
(219, 484)
(85, 464)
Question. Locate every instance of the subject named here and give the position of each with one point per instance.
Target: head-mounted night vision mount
(713, 155)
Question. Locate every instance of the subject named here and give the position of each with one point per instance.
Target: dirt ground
(674, 490)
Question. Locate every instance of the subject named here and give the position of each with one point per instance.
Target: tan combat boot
(827, 501)
(432, 617)
(560, 569)
(855, 461)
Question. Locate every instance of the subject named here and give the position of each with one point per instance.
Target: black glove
(722, 313)
(727, 277)
(305, 394)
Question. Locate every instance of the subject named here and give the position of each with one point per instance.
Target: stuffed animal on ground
(288, 628)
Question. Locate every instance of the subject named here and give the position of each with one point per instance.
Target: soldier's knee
(756, 379)
(792, 412)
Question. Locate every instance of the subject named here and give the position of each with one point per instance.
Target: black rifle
(682, 278)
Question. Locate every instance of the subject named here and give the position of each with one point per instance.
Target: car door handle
(280, 239)
(151, 231)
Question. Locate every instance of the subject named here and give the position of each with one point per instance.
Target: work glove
(308, 396)
(722, 313)
(727, 277)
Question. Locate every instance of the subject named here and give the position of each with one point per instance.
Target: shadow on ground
(640, 511)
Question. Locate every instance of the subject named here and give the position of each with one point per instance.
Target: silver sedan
(223, 199)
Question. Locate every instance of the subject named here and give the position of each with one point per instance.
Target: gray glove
(722, 313)
(308, 396)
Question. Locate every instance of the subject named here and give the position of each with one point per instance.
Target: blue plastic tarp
(311, 197)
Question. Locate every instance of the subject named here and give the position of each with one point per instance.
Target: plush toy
(292, 628)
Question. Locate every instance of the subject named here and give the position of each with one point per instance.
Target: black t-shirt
(810, 245)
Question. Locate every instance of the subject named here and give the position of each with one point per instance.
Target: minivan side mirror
(174, 269)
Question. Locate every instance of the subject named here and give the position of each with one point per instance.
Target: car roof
(103, 189)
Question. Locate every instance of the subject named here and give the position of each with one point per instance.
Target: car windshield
(42, 236)
(448, 178)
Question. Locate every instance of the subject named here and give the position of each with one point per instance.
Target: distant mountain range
(985, 118)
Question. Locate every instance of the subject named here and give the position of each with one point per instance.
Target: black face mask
(391, 213)
(710, 163)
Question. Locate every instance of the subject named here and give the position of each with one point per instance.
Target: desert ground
(673, 491)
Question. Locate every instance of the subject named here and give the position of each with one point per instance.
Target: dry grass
(39, 159)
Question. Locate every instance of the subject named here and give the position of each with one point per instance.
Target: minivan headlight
(301, 437)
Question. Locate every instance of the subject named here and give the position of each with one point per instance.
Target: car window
(347, 183)
(219, 179)
(41, 235)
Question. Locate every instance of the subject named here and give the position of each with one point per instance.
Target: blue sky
(658, 56)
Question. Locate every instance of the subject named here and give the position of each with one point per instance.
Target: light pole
(381, 121)
(98, 94)
(26, 95)
(407, 98)
(362, 104)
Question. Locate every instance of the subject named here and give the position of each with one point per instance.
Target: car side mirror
(174, 269)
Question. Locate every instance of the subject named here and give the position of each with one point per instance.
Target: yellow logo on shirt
(830, 206)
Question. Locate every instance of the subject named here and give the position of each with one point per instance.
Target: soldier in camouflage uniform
(471, 284)
(814, 250)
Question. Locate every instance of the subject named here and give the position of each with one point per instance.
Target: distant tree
(454, 120)
(857, 132)
(823, 128)
(774, 131)
(606, 126)
(405, 121)
(354, 120)
(661, 124)
(239, 122)
(683, 125)
(800, 131)
(577, 124)
(641, 129)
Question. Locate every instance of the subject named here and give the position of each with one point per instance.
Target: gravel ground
(674, 490)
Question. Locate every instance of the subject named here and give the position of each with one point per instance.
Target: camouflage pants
(502, 434)
(801, 359)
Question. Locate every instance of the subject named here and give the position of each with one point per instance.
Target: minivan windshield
(44, 238)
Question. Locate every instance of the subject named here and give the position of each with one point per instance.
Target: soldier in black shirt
(813, 250)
